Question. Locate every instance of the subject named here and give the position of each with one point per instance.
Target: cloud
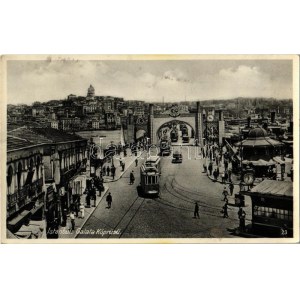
(30, 81)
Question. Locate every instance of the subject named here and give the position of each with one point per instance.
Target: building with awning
(37, 157)
(272, 208)
(258, 150)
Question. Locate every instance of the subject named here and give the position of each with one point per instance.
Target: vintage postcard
(149, 148)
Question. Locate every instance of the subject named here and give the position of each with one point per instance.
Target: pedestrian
(225, 194)
(231, 188)
(215, 174)
(121, 162)
(196, 210)
(210, 167)
(107, 170)
(132, 177)
(242, 217)
(72, 217)
(136, 162)
(226, 164)
(123, 166)
(109, 200)
(225, 210)
(223, 177)
(93, 194)
(64, 217)
(113, 171)
(81, 208)
(218, 171)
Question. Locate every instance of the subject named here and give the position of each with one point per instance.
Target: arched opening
(9, 178)
(38, 163)
(19, 175)
(176, 131)
(30, 172)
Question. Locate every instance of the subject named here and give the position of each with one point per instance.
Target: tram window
(150, 179)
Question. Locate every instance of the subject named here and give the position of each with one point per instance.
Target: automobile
(177, 158)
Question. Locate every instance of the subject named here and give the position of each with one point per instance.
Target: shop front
(272, 208)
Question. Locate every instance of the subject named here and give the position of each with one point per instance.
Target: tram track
(124, 216)
(206, 209)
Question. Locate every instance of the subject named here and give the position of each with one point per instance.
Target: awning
(140, 133)
(35, 230)
(14, 224)
(260, 162)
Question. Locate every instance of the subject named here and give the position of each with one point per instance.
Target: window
(272, 212)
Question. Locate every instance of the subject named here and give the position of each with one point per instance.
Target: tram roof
(153, 159)
(149, 169)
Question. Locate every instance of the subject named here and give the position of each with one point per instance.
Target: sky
(171, 80)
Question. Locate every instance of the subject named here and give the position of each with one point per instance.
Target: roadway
(171, 214)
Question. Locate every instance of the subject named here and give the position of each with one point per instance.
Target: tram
(174, 135)
(150, 175)
(185, 138)
(165, 148)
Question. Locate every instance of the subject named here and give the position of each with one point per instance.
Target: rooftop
(26, 137)
(274, 188)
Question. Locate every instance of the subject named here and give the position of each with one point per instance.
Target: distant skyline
(174, 80)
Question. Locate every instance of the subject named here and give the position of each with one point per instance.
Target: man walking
(72, 217)
(136, 162)
(231, 188)
(196, 210)
(109, 200)
(242, 217)
(210, 168)
(107, 170)
(131, 177)
(113, 171)
(225, 210)
(225, 194)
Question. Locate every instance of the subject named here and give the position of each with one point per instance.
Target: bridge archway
(169, 125)
(174, 115)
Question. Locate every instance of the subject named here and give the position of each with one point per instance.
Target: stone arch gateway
(156, 121)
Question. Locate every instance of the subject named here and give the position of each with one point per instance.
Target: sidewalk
(128, 160)
(65, 233)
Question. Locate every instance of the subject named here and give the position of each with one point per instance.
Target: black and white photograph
(150, 148)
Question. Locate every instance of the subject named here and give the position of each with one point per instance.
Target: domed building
(258, 150)
(91, 92)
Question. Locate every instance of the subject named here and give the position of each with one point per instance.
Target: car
(177, 158)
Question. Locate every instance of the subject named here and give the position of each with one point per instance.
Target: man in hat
(109, 200)
(225, 194)
(196, 210)
(131, 177)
